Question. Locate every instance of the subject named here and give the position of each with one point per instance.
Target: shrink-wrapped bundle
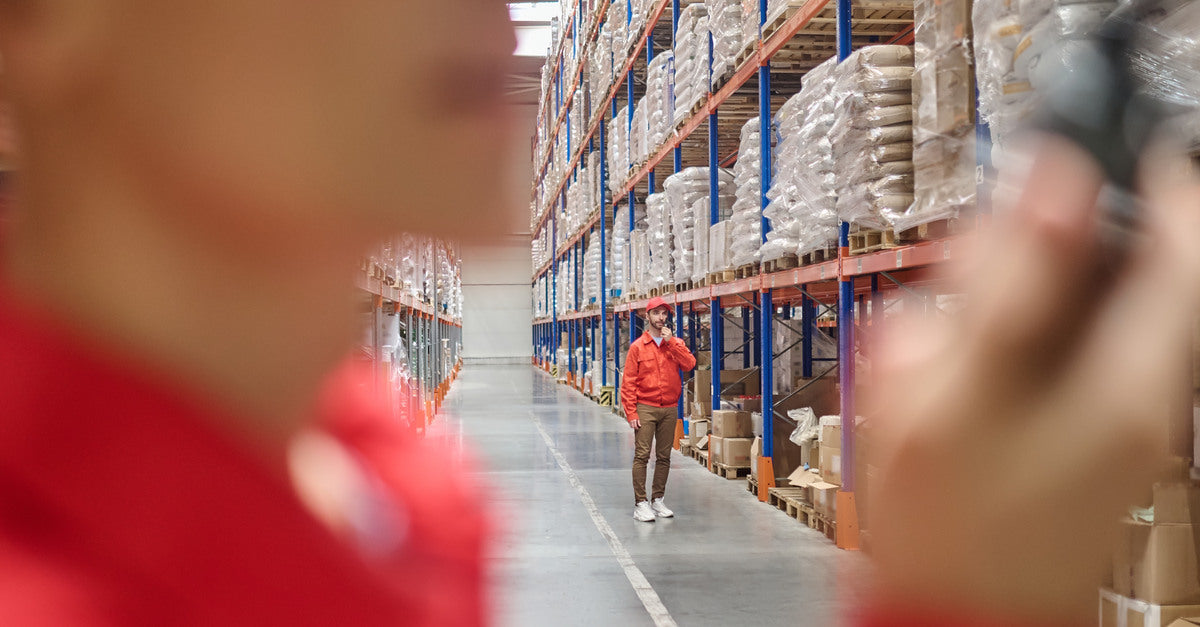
(661, 270)
(872, 135)
(691, 61)
(746, 219)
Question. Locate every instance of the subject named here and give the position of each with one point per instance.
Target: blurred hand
(635, 424)
(1009, 440)
(666, 333)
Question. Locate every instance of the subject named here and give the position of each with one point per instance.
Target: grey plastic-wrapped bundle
(746, 219)
(873, 134)
(943, 115)
(725, 24)
(659, 239)
(691, 60)
(1169, 64)
(660, 95)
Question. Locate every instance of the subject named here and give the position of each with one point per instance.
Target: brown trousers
(658, 426)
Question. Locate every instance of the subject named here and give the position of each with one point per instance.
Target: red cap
(655, 303)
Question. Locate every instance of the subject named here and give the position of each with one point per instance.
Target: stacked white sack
(659, 240)
(872, 136)
(691, 61)
(725, 24)
(684, 191)
(746, 222)
(804, 165)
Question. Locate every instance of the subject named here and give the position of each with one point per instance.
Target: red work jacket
(652, 373)
(122, 504)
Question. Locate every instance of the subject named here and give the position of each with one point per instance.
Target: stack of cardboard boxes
(822, 479)
(1156, 579)
(731, 438)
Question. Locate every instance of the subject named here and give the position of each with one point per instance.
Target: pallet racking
(851, 288)
(431, 336)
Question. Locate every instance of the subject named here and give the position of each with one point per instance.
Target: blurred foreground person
(196, 183)
(1010, 439)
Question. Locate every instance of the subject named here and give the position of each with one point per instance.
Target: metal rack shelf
(838, 295)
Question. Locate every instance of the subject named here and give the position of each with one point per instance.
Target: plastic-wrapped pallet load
(639, 263)
(591, 272)
(684, 191)
(660, 98)
(784, 236)
(804, 162)
(618, 151)
(660, 241)
(691, 61)
(872, 137)
(639, 144)
(943, 114)
(700, 223)
(1170, 65)
(725, 24)
(746, 220)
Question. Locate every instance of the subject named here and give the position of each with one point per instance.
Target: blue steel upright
(846, 302)
(717, 330)
(603, 258)
(766, 308)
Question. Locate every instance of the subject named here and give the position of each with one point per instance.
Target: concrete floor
(548, 453)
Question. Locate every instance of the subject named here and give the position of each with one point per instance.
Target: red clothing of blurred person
(121, 503)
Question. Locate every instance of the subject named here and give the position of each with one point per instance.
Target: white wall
(497, 308)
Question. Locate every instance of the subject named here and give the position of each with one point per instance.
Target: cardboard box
(716, 448)
(1176, 503)
(1120, 611)
(728, 423)
(810, 454)
(735, 451)
(696, 430)
(701, 410)
(831, 463)
(824, 498)
(744, 403)
(1157, 563)
(702, 443)
(755, 455)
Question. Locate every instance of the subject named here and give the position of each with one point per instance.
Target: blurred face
(658, 317)
(298, 120)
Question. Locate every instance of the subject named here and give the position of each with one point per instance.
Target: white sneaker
(643, 512)
(660, 509)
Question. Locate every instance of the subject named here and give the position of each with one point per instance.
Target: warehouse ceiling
(532, 23)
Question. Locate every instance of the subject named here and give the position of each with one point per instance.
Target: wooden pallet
(786, 262)
(747, 52)
(773, 25)
(683, 287)
(686, 449)
(937, 229)
(863, 241)
(730, 472)
(778, 497)
(746, 271)
(818, 256)
(752, 485)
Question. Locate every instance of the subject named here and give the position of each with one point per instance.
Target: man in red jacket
(649, 393)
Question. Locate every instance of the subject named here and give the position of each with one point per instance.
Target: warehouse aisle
(571, 554)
